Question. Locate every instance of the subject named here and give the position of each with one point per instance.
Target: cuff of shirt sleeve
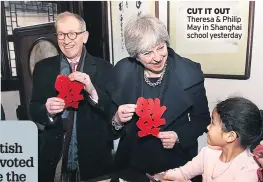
(50, 117)
(117, 125)
(94, 100)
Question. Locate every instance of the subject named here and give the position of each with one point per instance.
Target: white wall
(10, 101)
(219, 89)
(253, 88)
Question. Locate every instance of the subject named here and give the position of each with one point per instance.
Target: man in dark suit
(79, 136)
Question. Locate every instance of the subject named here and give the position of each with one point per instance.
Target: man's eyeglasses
(70, 35)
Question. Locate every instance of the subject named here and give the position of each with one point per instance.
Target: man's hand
(168, 139)
(85, 79)
(55, 105)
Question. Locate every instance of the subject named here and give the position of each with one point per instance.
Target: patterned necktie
(73, 66)
(69, 161)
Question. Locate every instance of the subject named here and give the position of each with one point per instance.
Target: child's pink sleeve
(195, 167)
(247, 174)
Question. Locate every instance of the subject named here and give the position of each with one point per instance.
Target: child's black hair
(243, 117)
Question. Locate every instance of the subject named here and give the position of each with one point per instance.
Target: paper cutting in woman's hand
(69, 91)
(150, 112)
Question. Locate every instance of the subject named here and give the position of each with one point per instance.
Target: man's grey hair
(144, 32)
(67, 14)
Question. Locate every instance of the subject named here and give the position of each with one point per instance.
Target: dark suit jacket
(94, 144)
(183, 94)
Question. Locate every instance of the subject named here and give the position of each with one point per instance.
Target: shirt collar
(77, 61)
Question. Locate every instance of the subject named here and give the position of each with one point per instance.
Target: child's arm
(189, 170)
(180, 179)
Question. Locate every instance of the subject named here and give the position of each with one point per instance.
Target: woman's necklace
(159, 81)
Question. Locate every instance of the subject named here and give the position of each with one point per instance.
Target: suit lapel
(89, 66)
(54, 70)
(128, 91)
(174, 96)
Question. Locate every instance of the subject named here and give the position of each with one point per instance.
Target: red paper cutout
(150, 112)
(69, 91)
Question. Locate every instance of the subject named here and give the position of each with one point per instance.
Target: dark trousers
(45, 174)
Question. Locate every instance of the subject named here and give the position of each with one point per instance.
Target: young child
(236, 126)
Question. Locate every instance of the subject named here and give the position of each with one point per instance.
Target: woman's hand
(168, 139)
(125, 112)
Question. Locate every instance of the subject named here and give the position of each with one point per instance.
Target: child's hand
(173, 176)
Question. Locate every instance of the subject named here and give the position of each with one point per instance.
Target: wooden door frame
(22, 110)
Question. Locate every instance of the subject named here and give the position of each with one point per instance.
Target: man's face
(71, 48)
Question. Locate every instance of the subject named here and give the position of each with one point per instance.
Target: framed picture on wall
(216, 34)
(120, 13)
(42, 48)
